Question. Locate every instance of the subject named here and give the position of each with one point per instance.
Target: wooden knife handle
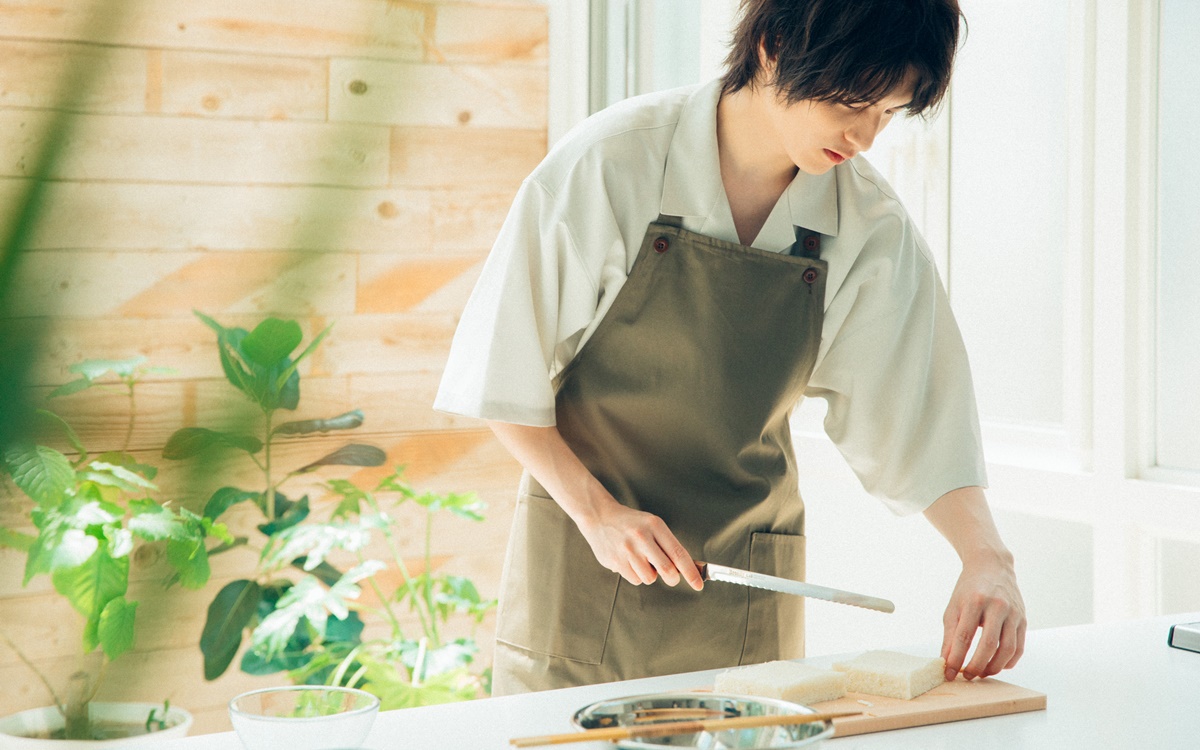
(703, 568)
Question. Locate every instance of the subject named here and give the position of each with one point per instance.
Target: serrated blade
(725, 574)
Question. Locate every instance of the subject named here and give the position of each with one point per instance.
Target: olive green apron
(679, 405)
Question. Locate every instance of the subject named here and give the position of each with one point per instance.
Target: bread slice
(892, 674)
(787, 680)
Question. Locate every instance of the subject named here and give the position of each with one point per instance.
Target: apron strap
(807, 244)
(671, 221)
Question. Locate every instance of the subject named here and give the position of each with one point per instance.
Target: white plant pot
(13, 728)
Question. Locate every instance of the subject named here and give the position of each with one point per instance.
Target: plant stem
(99, 679)
(53, 695)
(408, 582)
(397, 631)
(437, 640)
(132, 414)
(419, 665)
(267, 467)
(340, 672)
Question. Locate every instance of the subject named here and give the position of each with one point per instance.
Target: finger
(1008, 646)
(627, 573)
(989, 641)
(1020, 642)
(656, 557)
(683, 562)
(641, 568)
(961, 633)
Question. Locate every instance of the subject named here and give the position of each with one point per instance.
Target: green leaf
(255, 663)
(271, 341)
(228, 615)
(347, 421)
(91, 586)
(290, 372)
(314, 541)
(111, 475)
(325, 573)
(191, 441)
(394, 483)
(190, 559)
(348, 629)
(70, 548)
(66, 389)
(61, 423)
(154, 523)
(311, 601)
(120, 541)
(288, 514)
(395, 691)
(349, 455)
(42, 473)
(220, 532)
(115, 629)
(94, 369)
(352, 498)
(225, 498)
(128, 461)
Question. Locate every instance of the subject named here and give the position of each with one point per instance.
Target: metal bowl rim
(800, 708)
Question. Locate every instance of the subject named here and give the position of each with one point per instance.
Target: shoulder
(868, 204)
(630, 136)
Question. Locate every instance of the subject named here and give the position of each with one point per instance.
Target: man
(678, 273)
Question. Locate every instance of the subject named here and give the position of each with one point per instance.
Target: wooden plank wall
(335, 161)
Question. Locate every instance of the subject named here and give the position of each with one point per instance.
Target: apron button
(810, 275)
(661, 244)
(812, 243)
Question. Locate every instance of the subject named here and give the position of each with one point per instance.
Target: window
(1178, 381)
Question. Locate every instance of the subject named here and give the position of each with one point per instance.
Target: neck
(748, 147)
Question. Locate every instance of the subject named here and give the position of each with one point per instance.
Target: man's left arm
(986, 598)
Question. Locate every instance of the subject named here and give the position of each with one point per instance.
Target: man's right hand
(633, 543)
(638, 546)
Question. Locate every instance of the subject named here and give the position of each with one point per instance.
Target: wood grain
(392, 93)
(213, 84)
(180, 149)
(440, 157)
(950, 701)
(225, 159)
(408, 220)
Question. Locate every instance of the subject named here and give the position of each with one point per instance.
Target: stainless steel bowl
(627, 712)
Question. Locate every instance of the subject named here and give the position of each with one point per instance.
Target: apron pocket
(555, 598)
(776, 623)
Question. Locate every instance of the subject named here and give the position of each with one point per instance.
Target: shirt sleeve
(532, 294)
(897, 381)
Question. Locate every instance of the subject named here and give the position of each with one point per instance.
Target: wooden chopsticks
(665, 728)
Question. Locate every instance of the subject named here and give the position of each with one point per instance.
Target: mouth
(835, 156)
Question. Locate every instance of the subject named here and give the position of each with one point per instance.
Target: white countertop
(1107, 686)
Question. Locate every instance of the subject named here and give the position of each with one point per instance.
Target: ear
(766, 67)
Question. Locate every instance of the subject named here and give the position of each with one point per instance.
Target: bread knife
(725, 574)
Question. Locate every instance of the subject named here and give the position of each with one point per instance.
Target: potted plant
(89, 513)
(300, 611)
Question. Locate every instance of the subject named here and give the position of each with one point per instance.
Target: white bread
(892, 675)
(787, 680)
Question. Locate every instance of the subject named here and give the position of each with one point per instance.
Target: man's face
(819, 135)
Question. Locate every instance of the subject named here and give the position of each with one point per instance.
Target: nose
(861, 133)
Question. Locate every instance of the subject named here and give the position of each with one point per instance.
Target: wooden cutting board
(950, 701)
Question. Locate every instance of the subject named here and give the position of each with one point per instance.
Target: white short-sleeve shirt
(891, 364)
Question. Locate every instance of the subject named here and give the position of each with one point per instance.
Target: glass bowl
(625, 712)
(303, 717)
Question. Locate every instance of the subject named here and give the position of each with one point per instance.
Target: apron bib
(679, 405)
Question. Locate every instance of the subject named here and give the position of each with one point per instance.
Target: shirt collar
(692, 182)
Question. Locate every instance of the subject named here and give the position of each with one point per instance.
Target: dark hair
(846, 51)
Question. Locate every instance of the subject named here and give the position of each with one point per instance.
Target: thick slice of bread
(892, 674)
(787, 680)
